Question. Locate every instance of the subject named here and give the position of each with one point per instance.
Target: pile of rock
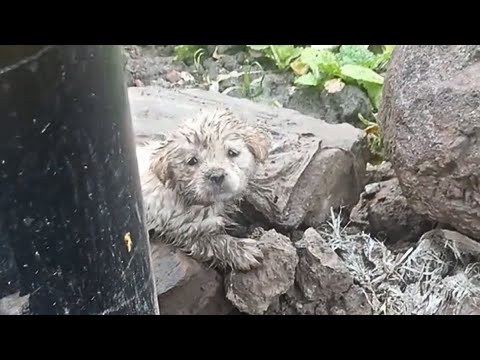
(414, 221)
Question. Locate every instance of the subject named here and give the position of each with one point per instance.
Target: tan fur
(186, 200)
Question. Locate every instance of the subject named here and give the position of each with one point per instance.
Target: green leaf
(322, 60)
(384, 57)
(307, 80)
(283, 51)
(389, 49)
(361, 73)
(357, 55)
(258, 47)
(309, 57)
(374, 92)
(284, 54)
(327, 62)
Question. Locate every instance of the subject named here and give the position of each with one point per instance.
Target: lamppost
(72, 234)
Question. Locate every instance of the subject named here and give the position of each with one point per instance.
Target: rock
(173, 76)
(186, 78)
(353, 302)
(186, 287)
(378, 173)
(293, 303)
(320, 272)
(296, 235)
(212, 67)
(14, 304)
(462, 244)
(335, 108)
(429, 119)
(228, 49)
(138, 83)
(277, 87)
(312, 166)
(323, 284)
(229, 62)
(385, 214)
(156, 50)
(150, 64)
(372, 189)
(254, 291)
(241, 57)
(442, 274)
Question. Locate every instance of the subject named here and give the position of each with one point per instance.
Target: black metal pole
(72, 232)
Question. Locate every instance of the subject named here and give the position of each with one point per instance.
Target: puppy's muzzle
(216, 176)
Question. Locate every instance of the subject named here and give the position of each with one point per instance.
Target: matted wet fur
(194, 177)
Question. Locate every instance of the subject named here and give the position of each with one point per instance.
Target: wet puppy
(191, 180)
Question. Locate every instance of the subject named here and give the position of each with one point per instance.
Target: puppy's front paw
(248, 255)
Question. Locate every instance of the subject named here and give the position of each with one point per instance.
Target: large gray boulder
(430, 118)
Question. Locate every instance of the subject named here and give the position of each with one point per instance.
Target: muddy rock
(149, 65)
(277, 87)
(378, 173)
(223, 49)
(156, 50)
(385, 213)
(254, 291)
(352, 302)
(296, 235)
(212, 67)
(229, 62)
(173, 76)
(186, 287)
(320, 271)
(323, 284)
(429, 119)
(335, 108)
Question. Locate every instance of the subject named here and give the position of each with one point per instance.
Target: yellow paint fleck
(128, 241)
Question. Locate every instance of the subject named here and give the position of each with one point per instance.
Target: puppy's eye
(192, 161)
(232, 153)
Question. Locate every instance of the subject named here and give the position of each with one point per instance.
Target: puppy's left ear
(160, 166)
(259, 144)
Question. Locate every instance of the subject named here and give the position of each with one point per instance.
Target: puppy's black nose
(217, 178)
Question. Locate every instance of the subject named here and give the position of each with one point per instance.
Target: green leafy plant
(282, 55)
(317, 65)
(197, 57)
(250, 89)
(374, 138)
(352, 64)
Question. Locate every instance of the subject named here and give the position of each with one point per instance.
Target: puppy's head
(211, 158)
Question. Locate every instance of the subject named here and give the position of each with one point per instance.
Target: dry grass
(428, 278)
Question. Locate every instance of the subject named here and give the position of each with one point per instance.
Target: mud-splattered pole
(72, 235)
